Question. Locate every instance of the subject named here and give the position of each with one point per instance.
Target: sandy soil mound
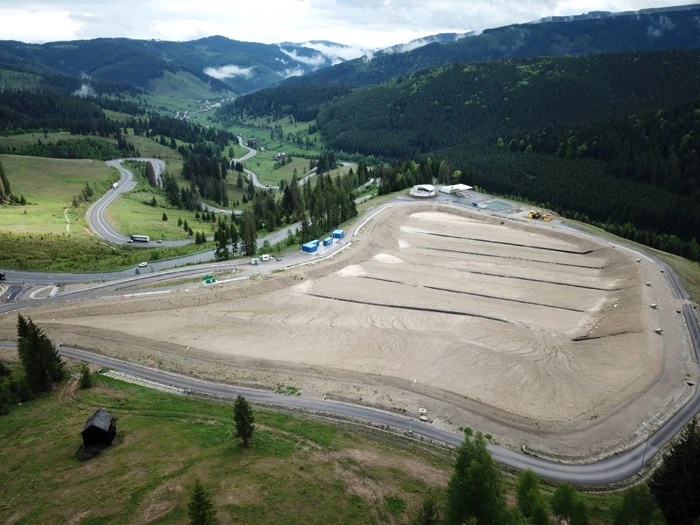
(531, 323)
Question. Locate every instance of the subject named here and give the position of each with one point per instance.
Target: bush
(85, 377)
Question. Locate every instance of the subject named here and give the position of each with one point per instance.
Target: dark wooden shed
(100, 429)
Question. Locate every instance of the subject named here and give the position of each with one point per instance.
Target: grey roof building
(100, 429)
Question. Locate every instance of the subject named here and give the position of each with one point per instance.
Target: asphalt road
(10, 295)
(610, 470)
(38, 278)
(96, 213)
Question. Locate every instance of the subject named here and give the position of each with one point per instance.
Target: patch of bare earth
(533, 335)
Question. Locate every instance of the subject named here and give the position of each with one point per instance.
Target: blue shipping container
(309, 247)
(328, 241)
(338, 234)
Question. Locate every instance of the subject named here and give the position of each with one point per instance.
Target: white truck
(115, 185)
(265, 257)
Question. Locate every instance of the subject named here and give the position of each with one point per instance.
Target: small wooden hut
(100, 429)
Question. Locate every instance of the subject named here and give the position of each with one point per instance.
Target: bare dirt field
(526, 327)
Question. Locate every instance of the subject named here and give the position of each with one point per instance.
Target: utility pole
(641, 467)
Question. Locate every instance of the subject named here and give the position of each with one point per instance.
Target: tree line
(5, 190)
(320, 207)
(475, 493)
(303, 104)
(476, 103)
(86, 148)
(659, 148)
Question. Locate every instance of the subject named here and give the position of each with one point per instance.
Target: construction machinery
(537, 215)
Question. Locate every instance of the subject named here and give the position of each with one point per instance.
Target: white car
(143, 264)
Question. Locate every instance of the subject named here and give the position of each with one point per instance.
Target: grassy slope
(49, 186)
(150, 148)
(116, 115)
(688, 271)
(238, 151)
(59, 253)
(15, 79)
(297, 470)
(30, 138)
(183, 85)
(132, 214)
(263, 165)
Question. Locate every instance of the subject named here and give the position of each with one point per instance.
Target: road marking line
(145, 293)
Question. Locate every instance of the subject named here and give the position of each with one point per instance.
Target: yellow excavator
(537, 215)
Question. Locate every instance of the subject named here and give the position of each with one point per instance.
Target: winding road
(96, 213)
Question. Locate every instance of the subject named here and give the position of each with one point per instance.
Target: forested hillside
(653, 29)
(609, 139)
(303, 104)
(95, 136)
(447, 106)
(221, 64)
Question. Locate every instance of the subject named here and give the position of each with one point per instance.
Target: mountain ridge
(655, 29)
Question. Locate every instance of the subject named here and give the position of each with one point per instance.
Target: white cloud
(292, 72)
(337, 52)
(84, 91)
(362, 24)
(314, 60)
(232, 70)
(663, 23)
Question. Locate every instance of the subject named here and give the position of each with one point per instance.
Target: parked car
(143, 264)
(130, 241)
(159, 241)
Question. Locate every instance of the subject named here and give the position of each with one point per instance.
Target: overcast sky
(360, 23)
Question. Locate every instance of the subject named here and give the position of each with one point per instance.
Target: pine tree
(243, 417)
(201, 506)
(42, 365)
(475, 488)
(85, 376)
(248, 232)
(179, 221)
(165, 217)
(676, 484)
(563, 501)
(579, 512)
(530, 500)
(5, 192)
(639, 507)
